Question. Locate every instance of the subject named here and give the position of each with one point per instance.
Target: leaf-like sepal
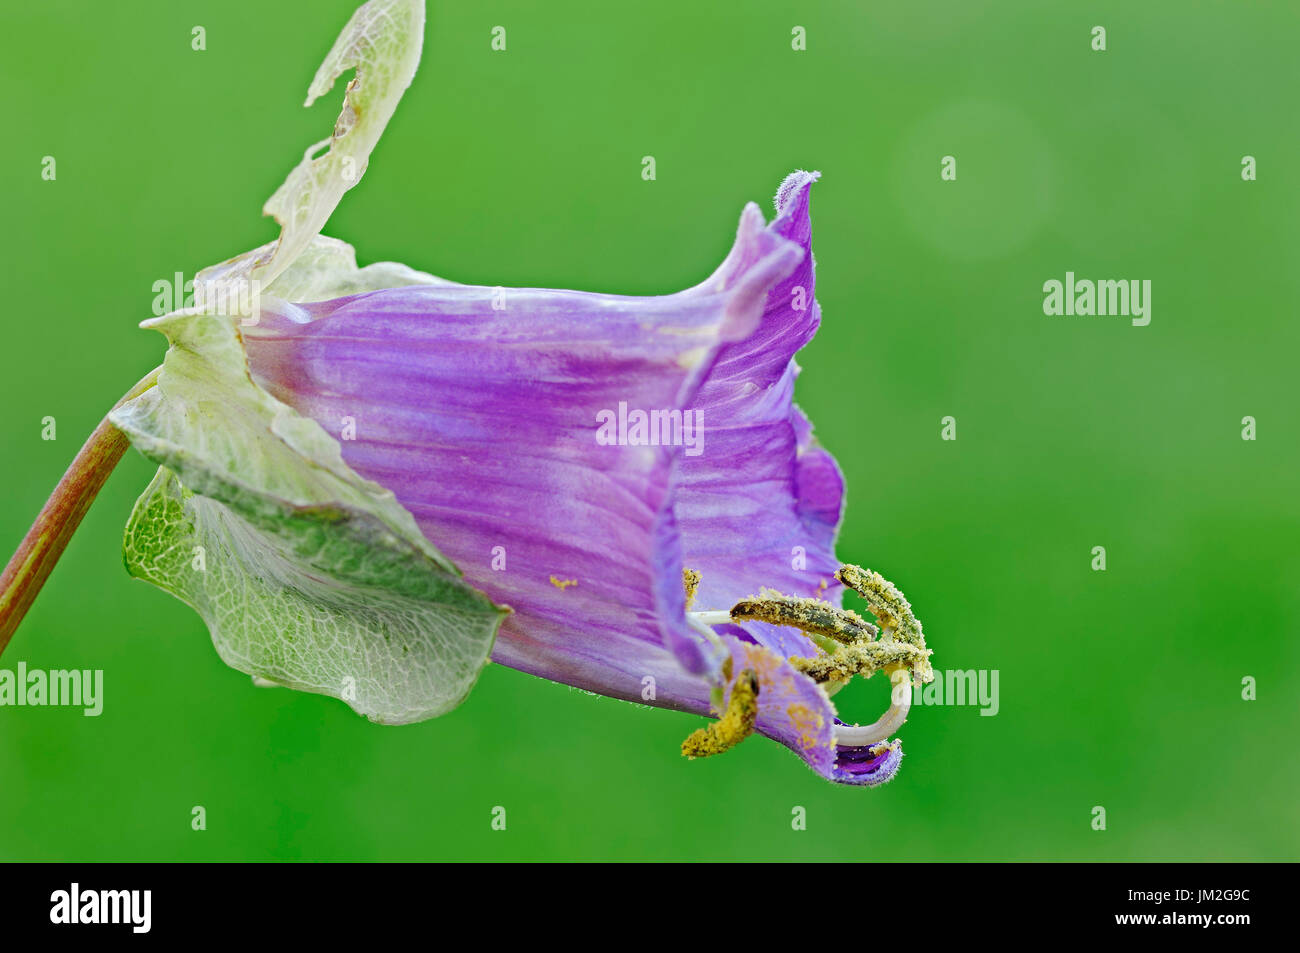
(307, 574)
(382, 43)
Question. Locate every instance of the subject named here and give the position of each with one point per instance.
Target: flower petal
(479, 418)
(763, 505)
(867, 765)
(478, 408)
(792, 708)
(796, 711)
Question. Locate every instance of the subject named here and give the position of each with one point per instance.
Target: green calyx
(307, 574)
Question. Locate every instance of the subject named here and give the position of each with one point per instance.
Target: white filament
(888, 723)
(703, 626)
(710, 617)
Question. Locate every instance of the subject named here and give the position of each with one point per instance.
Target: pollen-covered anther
(813, 616)
(691, 583)
(735, 725)
(887, 603)
(865, 659)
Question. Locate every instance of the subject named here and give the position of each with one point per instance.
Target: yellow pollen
(735, 725)
(691, 582)
(810, 615)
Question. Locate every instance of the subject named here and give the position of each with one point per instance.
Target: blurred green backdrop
(1119, 688)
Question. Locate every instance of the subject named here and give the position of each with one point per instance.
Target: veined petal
(763, 506)
(794, 710)
(482, 410)
(476, 407)
(867, 765)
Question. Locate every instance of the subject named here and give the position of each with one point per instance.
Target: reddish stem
(45, 542)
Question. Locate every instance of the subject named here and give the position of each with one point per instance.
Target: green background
(1119, 688)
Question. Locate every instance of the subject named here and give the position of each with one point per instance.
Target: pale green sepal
(307, 574)
(326, 269)
(382, 43)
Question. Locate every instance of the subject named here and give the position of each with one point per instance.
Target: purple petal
(482, 420)
(795, 710)
(792, 708)
(867, 764)
(762, 506)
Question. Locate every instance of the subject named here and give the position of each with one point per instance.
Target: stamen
(809, 615)
(849, 647)
(735, 725)
(865, 659)
(888, 605)
(705, 628)
(712, 616)
(691, 582)
(703, 622)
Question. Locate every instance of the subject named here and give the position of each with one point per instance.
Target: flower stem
(48, 537)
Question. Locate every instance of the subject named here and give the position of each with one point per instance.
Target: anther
(691, 582)
(809, 615)
(735, 725)
(865, 659)
(888, 605)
